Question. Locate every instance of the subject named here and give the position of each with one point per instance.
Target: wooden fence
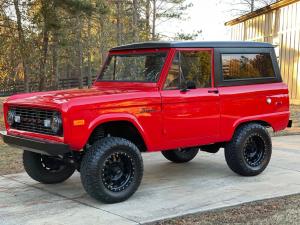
(19, 87)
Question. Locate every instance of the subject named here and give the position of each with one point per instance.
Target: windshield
(145, 67)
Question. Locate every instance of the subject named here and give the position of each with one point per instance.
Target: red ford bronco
(173, 97)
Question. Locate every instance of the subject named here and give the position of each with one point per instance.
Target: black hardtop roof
(193, 44)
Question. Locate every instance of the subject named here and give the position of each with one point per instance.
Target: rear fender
(278, 121)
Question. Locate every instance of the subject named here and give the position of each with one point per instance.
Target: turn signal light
(78, 122)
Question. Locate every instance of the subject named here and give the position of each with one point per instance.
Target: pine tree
(55, 40)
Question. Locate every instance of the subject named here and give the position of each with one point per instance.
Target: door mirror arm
(187, 85)
(183, 86)
(184, 89)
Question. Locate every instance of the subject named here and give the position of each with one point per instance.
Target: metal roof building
(278, 24)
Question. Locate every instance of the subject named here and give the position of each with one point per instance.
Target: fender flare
(260, 119)
(277, 121)
(118, 117)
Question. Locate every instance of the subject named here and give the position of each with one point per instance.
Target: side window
(193, 68)
(247, 66)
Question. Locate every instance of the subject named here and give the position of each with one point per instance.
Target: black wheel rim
(118, 171)
(52, 164)
(254, 151)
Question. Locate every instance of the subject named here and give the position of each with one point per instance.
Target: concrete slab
(167, 190)
(25, 204)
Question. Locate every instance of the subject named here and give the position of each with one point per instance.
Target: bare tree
(78, 50)
(55, 72)
(53, 40)
(147, 17)
(135, 20)
(240, 7)
(154, 19)
(21, 42)
(165, 10)
(119, 25)
(89, 55)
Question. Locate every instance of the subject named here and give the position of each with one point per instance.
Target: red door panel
(250, 102)
(190, 118)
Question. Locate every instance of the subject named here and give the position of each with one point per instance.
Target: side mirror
(187, 85)
(183, 86)
(191, 84)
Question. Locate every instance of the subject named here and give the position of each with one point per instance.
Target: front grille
(32, 119)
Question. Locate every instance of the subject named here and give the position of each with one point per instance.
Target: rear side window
(247, 66)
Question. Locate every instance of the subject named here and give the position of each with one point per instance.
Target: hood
(54, 98)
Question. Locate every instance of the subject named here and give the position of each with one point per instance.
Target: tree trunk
(154, 20)
(135, 21)
(147, 19)
(22, 44)
(119, 26)
(43, 60)
(55, 72)
(79, 51)
(252, 5)
(103, 38)
(89, 55)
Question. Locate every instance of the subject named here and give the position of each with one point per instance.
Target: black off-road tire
(249, 152)
(46, 169)
(97, 169)
(180, 155)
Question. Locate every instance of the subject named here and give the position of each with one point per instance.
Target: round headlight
(11, 116)
(56, 123)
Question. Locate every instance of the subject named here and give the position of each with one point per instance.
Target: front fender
(91, 125)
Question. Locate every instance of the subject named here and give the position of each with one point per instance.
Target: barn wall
(280, 27)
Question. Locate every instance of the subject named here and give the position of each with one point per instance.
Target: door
(190, 103)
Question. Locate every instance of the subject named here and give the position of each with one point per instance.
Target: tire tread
(35, 171)
(89, 165)
(233, 159)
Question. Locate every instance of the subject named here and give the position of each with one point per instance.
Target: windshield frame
(133, 52)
